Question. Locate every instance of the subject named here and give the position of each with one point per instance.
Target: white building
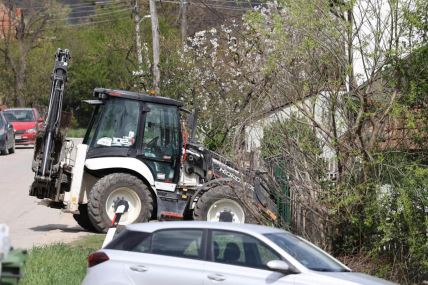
(373, 29)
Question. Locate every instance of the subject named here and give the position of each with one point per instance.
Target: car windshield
(307, 254)
(19, 115)
(116, 124)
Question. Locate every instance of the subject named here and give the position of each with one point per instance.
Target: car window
(185, 243)
(2, 122)
(307, 254)
(9, 117)
(20, 115)
(131, 241)
(240, 249)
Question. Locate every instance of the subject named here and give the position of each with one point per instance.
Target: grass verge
(76, 133)
(60, 263)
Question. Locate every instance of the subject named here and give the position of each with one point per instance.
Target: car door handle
(138, 268)
(216, 277)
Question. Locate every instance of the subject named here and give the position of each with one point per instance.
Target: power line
(120, 3)
(237, 2)
(94, 22)
(106, 2)
(225, 7)
(111, 4)
(106, 5)
(92, 16)
(85, 10)
(82, 5)
(222, 7)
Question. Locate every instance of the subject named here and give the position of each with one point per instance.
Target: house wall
(316, 105)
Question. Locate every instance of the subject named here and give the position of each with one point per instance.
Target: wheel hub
(226, 210)
(119, 202)
(226, 216)
(124, 196)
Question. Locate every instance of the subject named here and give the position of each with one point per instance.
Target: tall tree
(26, 28)
(311, 53)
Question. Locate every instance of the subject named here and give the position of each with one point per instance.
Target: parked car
(25, 122)
(7, 136)
(203, 253)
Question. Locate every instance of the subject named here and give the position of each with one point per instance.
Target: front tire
(225, 204)
(116, 188)
(12, 149)
(83, 220)
(5, 151)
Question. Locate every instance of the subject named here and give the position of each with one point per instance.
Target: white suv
(203, 253)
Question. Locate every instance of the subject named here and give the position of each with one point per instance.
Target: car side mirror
(281, 267)
(9, 126)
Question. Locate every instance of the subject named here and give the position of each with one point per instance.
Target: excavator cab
(128, 124)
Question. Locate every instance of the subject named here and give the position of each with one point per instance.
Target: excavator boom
(50, 140)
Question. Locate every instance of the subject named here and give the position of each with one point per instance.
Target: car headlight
(31, 131)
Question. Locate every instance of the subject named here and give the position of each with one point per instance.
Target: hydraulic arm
(50, 140)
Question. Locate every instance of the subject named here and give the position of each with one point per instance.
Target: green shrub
(76, 133)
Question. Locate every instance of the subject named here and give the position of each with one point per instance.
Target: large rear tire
(114, 189)
(83, 220)
(224, 203)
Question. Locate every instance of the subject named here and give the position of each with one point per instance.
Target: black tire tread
(83, 220)
(95, 205)
(12, 149)
(5, 151)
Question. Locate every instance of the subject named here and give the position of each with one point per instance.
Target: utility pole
(137, 20)
(183, 4)
(156, 49)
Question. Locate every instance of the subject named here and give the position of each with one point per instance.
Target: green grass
(76, 133)
(90, 241)
(60, 263)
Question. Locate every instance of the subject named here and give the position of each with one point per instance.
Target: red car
(26, 122)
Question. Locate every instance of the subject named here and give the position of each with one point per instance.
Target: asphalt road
(30, 222)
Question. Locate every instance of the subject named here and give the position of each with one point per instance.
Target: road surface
(30, 223)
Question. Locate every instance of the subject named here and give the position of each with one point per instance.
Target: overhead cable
(81, 5)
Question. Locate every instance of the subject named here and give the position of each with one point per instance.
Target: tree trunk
(20, 87)
(25, 39)
(139, 47)
(21, 68)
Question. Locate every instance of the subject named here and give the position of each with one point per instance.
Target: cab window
(118, 124)
(161, 132)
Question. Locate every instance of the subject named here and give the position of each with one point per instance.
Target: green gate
(283, 201)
